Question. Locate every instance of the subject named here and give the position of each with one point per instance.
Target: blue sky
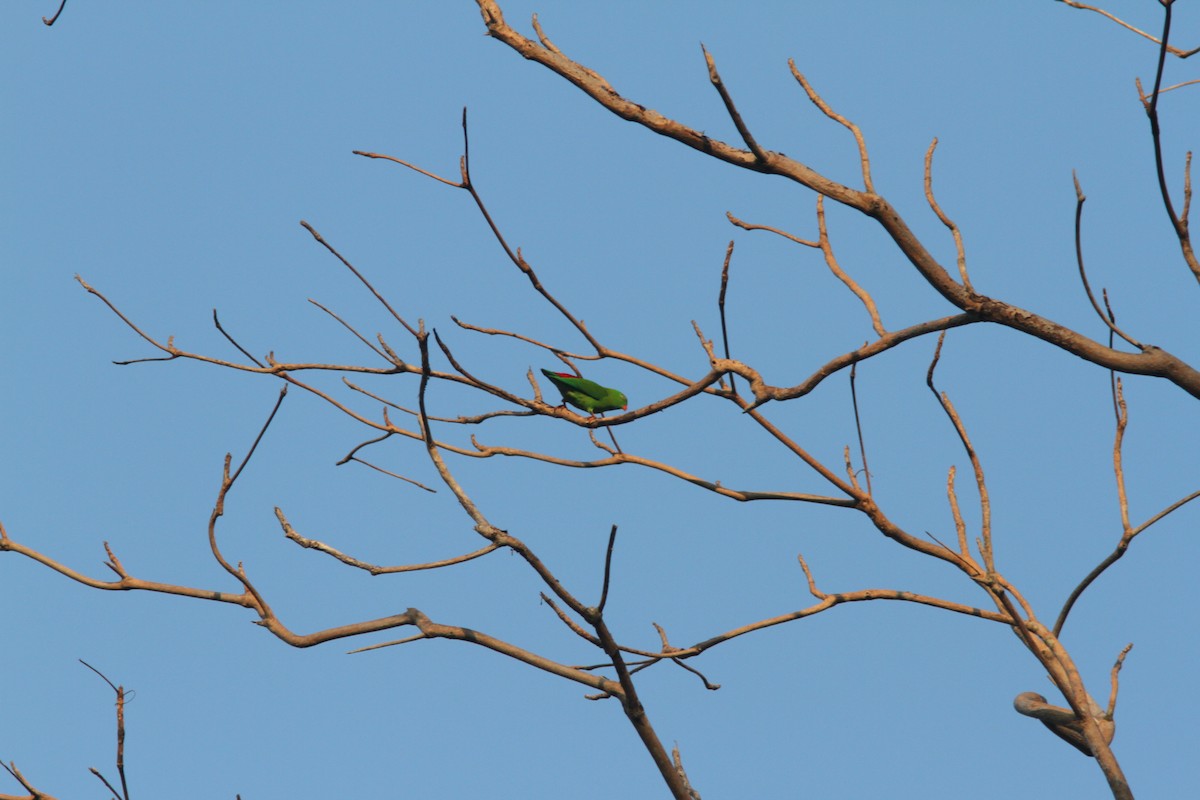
(167, 156)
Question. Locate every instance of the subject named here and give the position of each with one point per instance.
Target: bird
(586, 395)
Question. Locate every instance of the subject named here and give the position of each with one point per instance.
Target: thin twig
(261, 432)
(312, 544)
(1154, 361)
(120, 692)
(1173, 50)
(232, 341)
(612, 540)
(832, 262)
(960, 527)
(413, 167)
(357, 274)
(862, 447)
(1080, 199)
(1114, 556)
(1151, 106)
(721, 308)
(418, 484)
(752, 227)
(937, 209)
(350, 328)
(820, 103)
(54, 19)
(742, 129)
(985, 505)
(1116, 670)
(1179, 85)
(523, 338)
(1118, 464)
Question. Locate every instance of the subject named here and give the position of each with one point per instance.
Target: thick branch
(1151, 361)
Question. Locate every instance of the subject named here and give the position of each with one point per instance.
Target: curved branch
(1175, 51)
(1179, 223)
(885, 342)
(832, 262)
(941, 215)
(831, 600)
(1080, 199)
(374, 569)
(54, 19)
(1114, 557)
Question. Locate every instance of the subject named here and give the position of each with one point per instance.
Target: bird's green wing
(567, 382)
(611, 401)
(585, 394)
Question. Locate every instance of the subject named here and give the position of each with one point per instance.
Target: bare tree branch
(54, 19)
(985, 505)
(1175, 51)
(1080, 198)
(1152, 360)
(1180, 224)
(937, 209)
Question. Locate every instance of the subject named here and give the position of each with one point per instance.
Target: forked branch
(1150, 361)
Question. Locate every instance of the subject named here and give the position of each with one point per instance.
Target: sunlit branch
(375, 569)
(832, 262)
(742, 495)
(568, 356)
(1175, 51)
(830, 600)
(126, 582)
(459, 420)
(1173, 87)
(985, 505)
(523, 338)
(411, 166)
(883, 343)
(851, 473)
(1151, 361)
(742, 129)
(513, 255)
(34, 793)
(960, 527)
(1116, 670)
(778, 232)
(273, 367)
(389, 473)
(937, 209)
(1096, 730)
(1062, 722)
(827, 110)
(1118, 463)
(574, 626)
(228, 479)
(476, 382)
(826, 248)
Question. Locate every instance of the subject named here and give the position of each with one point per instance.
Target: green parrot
(587, 395)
